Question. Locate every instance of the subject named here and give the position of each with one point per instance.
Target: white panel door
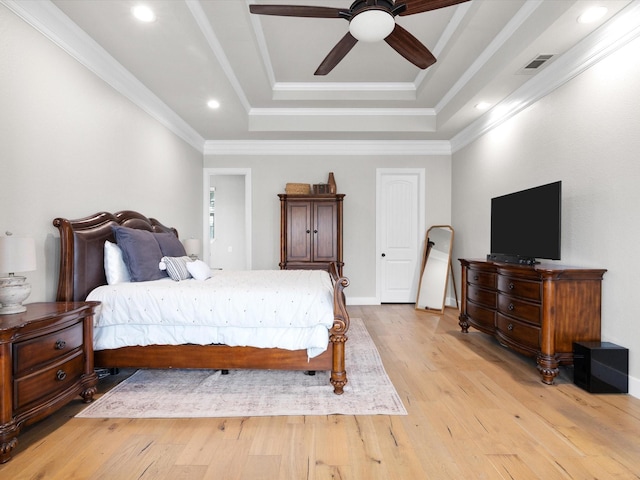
(400, 215)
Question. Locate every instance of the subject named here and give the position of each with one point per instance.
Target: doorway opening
(227, 218)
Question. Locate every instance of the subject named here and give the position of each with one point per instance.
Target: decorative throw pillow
(141, 253)
(170, 245)
(114, 267)
(176, 267)
(199, 270)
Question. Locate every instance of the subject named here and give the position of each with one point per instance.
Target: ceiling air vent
(535, 64)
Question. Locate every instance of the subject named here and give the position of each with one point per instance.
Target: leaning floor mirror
(436, 268)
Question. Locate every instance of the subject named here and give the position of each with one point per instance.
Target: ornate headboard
(82, 249)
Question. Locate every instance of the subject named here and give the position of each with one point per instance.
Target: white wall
(586, 134)
(356, 178)
(71, 146)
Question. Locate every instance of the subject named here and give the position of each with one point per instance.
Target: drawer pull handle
(61, 375)
(476, 277)
(510, 327)
(511, 286)
(511, 307)
(60, 344)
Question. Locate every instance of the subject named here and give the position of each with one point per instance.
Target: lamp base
(13, 291)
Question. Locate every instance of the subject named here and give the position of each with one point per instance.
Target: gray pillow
(140, 252)
(170, 245)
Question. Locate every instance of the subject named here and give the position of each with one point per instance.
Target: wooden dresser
(536, 310)
(311, 231)
(46, 359)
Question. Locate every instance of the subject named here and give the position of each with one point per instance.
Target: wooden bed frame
(82, 270)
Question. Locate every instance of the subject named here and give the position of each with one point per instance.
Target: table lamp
(192, 247)
(17, 254)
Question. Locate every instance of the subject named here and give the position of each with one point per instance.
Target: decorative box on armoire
(311, 231)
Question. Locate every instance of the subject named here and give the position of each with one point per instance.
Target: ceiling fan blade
(410, 47)
(419, 6)
(338, 52)
(298, 11)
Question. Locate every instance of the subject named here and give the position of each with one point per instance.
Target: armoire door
(299, 234)
(325, 244)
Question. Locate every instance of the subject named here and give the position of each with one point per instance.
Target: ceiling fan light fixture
(372, 25)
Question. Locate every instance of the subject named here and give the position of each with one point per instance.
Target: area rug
(251, 393)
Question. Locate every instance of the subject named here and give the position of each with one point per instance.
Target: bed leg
(224, 372)
(338, 373)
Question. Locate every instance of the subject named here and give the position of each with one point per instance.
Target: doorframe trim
(420, 172)
(206, 186)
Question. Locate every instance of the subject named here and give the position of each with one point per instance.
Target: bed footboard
(337, 335)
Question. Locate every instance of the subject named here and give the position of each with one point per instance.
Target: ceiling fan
(369, 21)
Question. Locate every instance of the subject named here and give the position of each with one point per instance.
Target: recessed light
(592, 15)
(143, 13)
(483, 105)
(213, 104)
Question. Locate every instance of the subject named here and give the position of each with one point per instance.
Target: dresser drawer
(486, 298)
(46, 348)
(481, 278)
(482, 316)
(522, 310)
(518, 287)
(519, 332)
(47, 382)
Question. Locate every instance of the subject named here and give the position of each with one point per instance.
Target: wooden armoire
(311, 231)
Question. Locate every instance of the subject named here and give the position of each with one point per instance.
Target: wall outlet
(229, 249)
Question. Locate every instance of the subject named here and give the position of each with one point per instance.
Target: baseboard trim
(363, 301)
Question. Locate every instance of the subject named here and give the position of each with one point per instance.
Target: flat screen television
(525, 225)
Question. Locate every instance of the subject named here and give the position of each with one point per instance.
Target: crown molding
(342, 120)
(614, 34)
(344, 91)
(46, 18)
(328, 147)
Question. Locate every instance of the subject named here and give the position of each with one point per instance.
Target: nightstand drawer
(46, 348)
(48, 382)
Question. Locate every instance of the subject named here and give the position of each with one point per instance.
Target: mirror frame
(425, 265)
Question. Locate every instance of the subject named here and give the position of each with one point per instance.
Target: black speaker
(601, 367)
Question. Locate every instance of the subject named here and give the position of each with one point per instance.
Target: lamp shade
(192, 246)
(17, 254)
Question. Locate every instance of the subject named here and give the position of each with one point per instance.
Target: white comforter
(290, 309)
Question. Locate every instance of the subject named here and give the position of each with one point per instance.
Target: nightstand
(46, 360)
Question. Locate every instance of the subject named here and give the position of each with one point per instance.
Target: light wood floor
(476, 411)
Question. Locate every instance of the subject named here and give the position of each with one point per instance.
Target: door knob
(384, 254)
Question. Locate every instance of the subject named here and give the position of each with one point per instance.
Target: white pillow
(199, 270)
(176, 267)
(114, 267)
